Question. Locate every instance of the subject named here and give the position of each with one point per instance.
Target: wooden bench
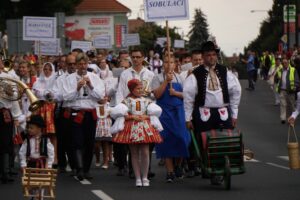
(37, 181)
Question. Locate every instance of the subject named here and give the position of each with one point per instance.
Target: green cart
(222, 155)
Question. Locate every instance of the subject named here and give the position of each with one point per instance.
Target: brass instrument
(8, 65)
(12, 90)
(146, 89)
(85, 89)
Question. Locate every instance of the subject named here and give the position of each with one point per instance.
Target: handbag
(293, 149)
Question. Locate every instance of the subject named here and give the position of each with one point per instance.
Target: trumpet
(8, 64)
(13, 90)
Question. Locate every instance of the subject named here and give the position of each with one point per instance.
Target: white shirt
(127, 75)
(76, 98)
(58, 89)
(35, 151)
(13, 106)
(297, 111)
(213, 99)
(283, 79)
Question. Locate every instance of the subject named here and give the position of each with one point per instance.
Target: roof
(134, 24)
(114, 6)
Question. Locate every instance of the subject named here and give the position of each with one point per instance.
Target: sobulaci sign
(160, 10)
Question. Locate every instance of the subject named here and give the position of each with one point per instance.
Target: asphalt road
(267, 176)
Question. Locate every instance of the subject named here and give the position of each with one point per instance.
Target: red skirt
(135, 132)
(47, 113)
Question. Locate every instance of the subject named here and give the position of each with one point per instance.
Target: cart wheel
(227, 174)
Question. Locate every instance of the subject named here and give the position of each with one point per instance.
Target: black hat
(209, 46)
(37, 120)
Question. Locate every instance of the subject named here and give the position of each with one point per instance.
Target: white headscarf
(47, 81)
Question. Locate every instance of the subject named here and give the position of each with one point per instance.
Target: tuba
(12, 90)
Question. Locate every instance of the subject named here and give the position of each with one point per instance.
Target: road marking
(102, 195)
(84, 181)
(246, 159)
(283, 157)
(276, 165)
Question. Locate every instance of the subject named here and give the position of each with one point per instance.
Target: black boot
(79, 173)
(4, 162)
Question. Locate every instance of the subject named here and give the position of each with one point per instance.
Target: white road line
(102, 195)
(283, 157)
(276, 165)
(250, 160)
(84, 181)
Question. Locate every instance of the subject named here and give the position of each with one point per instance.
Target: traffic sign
(289, 10)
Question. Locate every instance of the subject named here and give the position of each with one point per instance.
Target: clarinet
(85, 89)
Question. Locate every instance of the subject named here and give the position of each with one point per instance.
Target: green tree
(199, 30)
(271, 29)
(150, 31)
(10, 10)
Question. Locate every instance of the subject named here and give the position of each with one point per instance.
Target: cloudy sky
(230, 21)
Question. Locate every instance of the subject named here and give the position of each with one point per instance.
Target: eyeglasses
(136, 57)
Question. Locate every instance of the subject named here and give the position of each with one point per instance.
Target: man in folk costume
(63, 121)
(9, 113)
(142, 73)
(83, 90)
(211, 96)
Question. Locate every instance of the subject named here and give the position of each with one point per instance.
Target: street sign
(132, 39)
(39, 28)
(48, 48)
(161, 10)
(284, 38)
(84, 45)
(179, 43)
(290, 11)
(102, 42)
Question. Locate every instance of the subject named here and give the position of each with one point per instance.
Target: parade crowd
(126, 106)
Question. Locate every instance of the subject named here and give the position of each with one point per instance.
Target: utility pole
(288, 24)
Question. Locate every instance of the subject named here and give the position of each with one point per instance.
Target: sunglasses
(136, 57)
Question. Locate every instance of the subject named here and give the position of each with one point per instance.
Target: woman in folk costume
(42, 89)
(103, 136)
(167, 88)
(137, 124)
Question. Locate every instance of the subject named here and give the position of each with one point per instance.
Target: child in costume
(137, 124)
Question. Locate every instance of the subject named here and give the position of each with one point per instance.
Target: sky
(230, 21)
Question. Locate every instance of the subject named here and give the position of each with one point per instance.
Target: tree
(150, 31)
(199, 30)
(271, 29)
(10, 10)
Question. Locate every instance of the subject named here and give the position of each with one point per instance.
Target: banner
(39, 28)
(47, 48)
(179, 43)
(86, 27)
(132, 39)
(102, 42)
(84, 45)
(161, 10)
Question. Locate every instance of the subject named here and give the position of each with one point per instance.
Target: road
(267, 176)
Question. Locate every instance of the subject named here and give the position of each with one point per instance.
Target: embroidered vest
(201, 75)
(43, 146)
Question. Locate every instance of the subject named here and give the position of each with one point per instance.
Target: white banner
(161, 10)
(39, 28)
(161, 41)
(179, 43)
(102, 42)
(48, 48)
(86, 27)
(84, 45)
(132, 39)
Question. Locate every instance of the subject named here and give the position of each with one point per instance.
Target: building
(98, 17)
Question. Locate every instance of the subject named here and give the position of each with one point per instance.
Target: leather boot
(78, 155)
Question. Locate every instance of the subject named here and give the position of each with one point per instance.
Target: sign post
(164, 10)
